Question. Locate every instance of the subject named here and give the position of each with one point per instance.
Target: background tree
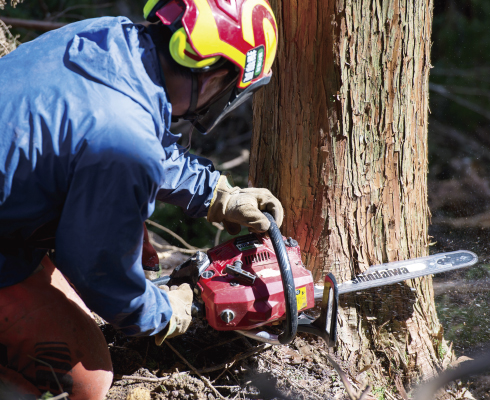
(341, 137)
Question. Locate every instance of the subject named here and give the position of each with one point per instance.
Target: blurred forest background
(459, 129)
(459, 138)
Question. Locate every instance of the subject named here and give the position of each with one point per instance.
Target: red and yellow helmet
(242, 31)
(207, 32)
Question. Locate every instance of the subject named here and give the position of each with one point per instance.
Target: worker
(85, 150)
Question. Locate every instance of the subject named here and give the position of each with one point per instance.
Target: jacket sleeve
(189, 181)
(100, 234)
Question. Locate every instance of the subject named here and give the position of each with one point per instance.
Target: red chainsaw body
(251, 304)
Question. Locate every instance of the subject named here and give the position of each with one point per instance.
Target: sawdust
(139, 394)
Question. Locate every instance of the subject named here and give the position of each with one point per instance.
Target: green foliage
(468, 324)
(460, 33)
(461, 59)
(477, 272)
(152, 364)
(441, 350)
(379, 392)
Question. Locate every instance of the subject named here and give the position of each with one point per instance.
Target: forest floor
(206, 364)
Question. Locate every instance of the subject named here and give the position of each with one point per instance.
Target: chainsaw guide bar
(398, 271)
(253, 282)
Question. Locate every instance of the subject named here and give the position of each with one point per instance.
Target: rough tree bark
(340, 136)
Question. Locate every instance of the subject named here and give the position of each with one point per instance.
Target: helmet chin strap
(194, 95)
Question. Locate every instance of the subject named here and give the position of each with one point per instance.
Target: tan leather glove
(180, 298)
(234, 207)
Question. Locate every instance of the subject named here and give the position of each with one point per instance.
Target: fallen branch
(217, 236)
(181, 250)
(224, 371)
(228, 387)
(60, 396)
(467, 144)
(345, 379)
(481, 220)
(35, 25)
(205, 380)
(295, 384)
(473, 286)
(238, 357)
(190, 247)
(141, 378)
(238, 337)
(440, 89)
(242, 158)
(80, 6)
(63, 394)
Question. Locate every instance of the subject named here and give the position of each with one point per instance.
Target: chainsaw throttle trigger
(239, 274)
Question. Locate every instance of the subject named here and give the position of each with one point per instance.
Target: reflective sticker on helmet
(253, 64)
(259, 62)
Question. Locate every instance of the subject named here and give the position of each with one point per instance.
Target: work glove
(234, 207)
(149, 257)
(180, 298)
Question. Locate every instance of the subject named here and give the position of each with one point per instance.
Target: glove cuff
(221, 196)
(167, 331)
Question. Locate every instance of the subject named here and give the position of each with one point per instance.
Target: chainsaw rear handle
(291, 324)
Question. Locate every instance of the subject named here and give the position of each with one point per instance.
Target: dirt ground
(205, 364)
(229, 365)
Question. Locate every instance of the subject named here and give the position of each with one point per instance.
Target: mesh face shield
(222, 105)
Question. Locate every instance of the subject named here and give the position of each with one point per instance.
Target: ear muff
(182, 52)
(149, 7)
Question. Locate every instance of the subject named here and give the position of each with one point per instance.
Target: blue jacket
(85, 149)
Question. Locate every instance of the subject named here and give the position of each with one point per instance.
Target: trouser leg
(51, 338)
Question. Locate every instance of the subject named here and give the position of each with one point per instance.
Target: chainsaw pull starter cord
(291, 325)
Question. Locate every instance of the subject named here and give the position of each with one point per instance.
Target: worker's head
(226, 48)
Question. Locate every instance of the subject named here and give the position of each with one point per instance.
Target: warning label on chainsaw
(301, 298)
(247, 242)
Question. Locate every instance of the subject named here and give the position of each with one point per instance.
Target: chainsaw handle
(291, 325)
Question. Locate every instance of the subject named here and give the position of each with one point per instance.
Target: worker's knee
(79, 383)
(52, 340)
(90, 385)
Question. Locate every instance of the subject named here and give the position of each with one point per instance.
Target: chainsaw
(252, 283)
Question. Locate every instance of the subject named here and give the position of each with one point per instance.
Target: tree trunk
(340, 136)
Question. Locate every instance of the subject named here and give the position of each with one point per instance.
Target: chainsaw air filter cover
(242, 287)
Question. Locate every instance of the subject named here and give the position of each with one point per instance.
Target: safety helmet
(207, 33)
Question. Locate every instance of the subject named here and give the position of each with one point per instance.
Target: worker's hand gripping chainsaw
(253, 282)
